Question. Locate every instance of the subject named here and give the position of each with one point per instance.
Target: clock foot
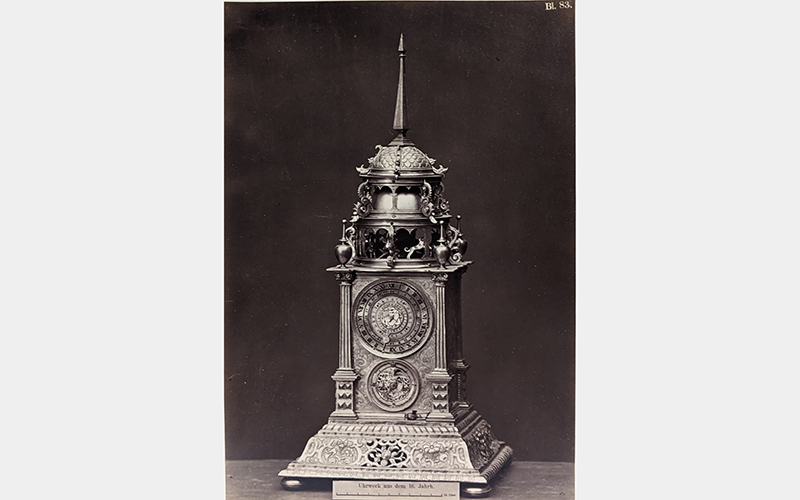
(475, 490)
(292, 484)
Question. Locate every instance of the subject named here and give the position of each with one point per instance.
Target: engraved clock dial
(394, 385)
(392, 318)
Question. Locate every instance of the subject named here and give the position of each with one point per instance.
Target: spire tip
(401, 107)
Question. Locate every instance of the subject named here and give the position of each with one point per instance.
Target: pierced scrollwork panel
(387, 452)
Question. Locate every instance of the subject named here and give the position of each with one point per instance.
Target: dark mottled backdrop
(309, 92)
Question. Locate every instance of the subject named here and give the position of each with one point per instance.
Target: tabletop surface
(258, 480)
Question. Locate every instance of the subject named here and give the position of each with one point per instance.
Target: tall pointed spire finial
(401, 106)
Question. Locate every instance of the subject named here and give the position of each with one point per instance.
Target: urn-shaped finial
(344, 251)
(442, 251)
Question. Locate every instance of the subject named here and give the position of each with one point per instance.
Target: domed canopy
(402, 158)
(401, 213)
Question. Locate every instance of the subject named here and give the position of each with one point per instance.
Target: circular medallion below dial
(392, 318)
(393, 385)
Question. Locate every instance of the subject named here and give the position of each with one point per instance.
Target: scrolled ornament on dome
(444, 207)
(371, 160)
(425, 202)
(441, 207)
(363, 206)
(440, 170)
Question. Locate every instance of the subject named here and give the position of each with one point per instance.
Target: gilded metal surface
(438, 452)
(392, 318)
(364, 362)
(401, 157)
(482, 444)
(400, 403)
(363, 206)
(401, 105)
(394, 385)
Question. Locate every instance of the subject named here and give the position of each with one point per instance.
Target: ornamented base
(466, 451)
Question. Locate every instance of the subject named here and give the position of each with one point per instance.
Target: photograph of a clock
(401, 409)
(400, 246)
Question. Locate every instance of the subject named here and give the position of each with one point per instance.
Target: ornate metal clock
(401, 409)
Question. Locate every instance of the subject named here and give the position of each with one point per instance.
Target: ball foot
(475, 490)
(292, 483)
